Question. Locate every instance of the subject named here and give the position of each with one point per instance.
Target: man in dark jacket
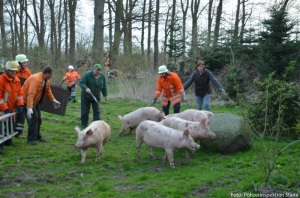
(202, 78)
(92, 83)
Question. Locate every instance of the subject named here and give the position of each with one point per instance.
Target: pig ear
(77, 129)
(186, 132)
(89, 132)
(120, 117)
(203, 122)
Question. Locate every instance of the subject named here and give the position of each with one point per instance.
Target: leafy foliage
(235, 83)
(276, 47)
(275, 94)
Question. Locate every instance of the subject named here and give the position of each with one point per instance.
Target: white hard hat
(162, 69)
(71, 67)
(21, 58)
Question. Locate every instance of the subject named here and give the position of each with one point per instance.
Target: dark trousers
(34, 124)
(165, 109)
(86, 103)
(20, 119)
(72, 91)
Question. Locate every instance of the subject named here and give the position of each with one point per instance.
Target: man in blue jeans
(92, 83)
(202, 78)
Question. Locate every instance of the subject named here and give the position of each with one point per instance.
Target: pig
(95, 135)
(198, 130)
(193, 115)
(133, 119)
(157, 135)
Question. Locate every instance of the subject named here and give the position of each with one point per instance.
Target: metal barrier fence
(7, 127)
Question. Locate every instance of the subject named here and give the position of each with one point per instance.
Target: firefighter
(11, 95)
(24, 72)
(170, 88)
(71, 76)
(35, 89)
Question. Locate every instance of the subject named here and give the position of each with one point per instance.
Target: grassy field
(53, 169)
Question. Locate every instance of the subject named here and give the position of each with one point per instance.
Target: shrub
(265, 111)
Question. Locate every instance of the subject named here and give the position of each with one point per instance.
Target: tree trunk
(2, 29)
(72, 10)
(194, 10)
(149, 33)
(143, 28)
(218, 23)
(236, 23)
(98, 32)
(184, 10)
(156, 48)
(209, 22)
(114, 53)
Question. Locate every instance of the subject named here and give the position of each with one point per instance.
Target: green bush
(277, 107)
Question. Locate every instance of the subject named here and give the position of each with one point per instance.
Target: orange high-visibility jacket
(33, 88)
(11, 94)
(24, 73)
(71, 77)
(169, 88)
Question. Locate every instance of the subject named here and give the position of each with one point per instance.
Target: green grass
(53, 169)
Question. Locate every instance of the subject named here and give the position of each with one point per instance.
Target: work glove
(7, 111)
(56, 104)
(87, 90)
(19, 109)
(29, 113)
(154, 101)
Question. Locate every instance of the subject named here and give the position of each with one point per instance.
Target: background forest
(254, 37)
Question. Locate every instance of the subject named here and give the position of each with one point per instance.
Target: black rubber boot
(1, 148)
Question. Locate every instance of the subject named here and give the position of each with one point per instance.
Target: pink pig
(157, 135)
(133, 119)
(95, 135)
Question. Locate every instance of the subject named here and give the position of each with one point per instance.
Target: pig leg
(122, 131)
(130, 130)
(169, 153)
(99, 153)
(150, 151)
(187, 154)
(165, 157)
(83, 154)
(138, 147)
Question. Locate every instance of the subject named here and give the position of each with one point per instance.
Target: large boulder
(232, 133)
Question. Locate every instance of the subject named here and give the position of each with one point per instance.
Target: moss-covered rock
(233, 133)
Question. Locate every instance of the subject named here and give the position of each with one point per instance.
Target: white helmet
(162, 69)
(21, 58)
(71, 67)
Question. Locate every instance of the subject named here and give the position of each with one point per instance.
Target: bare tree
(195, 14)
(114, 51)
(218, 23)
(156, 48)
(236, 23)
(53, 35)
(72, 10)
(149, 32)
(98, 31)
(66, 26)
(184, 9)
(127, 25)
(209, 21)
(143, 27)
(2, 29)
